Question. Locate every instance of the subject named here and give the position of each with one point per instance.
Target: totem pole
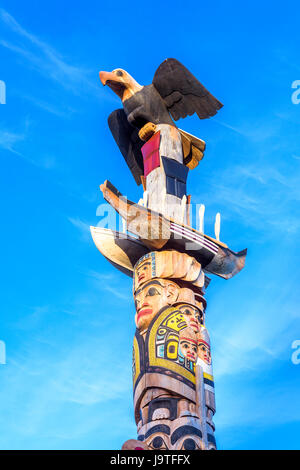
(173, 385)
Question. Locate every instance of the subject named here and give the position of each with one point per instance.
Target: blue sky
(67, 316)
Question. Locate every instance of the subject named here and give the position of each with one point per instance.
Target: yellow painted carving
(165, 363)
(136, 354)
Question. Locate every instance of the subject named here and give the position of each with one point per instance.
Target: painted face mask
(191, 316)
(151, 298)
(204, 352)
(188, 344)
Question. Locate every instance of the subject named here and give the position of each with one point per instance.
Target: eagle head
(123, 84)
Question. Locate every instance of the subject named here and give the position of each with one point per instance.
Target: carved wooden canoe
(121, 250)
(156, 232)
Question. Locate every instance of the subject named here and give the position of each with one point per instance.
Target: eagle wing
(183, 94)
(128, 141)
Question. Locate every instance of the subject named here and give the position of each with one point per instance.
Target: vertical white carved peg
(124, 225)
(201, 218)
(183, 209)
(218, 226)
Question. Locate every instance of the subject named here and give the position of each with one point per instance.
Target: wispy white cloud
(230, 127)
(111, 284)
(262, 196)
(11, 142)
(64, 112)
(32, 319)
(257, 408)
(259, 187)
(256, 131)
(45, 59)
(252, 343)
(77, 376)
(70, 372)
(8, 140)
(252, 331)
(82, 227)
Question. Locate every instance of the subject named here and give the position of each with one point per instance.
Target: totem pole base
(172, 373)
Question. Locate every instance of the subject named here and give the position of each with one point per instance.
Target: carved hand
(147, 131)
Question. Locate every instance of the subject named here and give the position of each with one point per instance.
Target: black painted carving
(189, 444)
(168, 403)
(176, 175)
(163, 428)
(185, 431)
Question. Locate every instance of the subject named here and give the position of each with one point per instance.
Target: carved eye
(152, 291)
(189, 444)
(119, 73)
(158, 443)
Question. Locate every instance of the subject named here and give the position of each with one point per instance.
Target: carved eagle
(174, 93)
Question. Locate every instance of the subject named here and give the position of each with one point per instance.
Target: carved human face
(180, 434)
(143, 272)
(151, 298)
(191, 316)
(159, 439)
(188, 348)
(204, 352)
(188, 440)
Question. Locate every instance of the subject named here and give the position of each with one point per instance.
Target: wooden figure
(174, 92)
(173, 384)
(208, 388)
(162, 163)
(168, 293)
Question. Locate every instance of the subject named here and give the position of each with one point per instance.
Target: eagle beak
(105, 76)
(114, 82)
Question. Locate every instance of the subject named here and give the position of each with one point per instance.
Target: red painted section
(150, 151)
